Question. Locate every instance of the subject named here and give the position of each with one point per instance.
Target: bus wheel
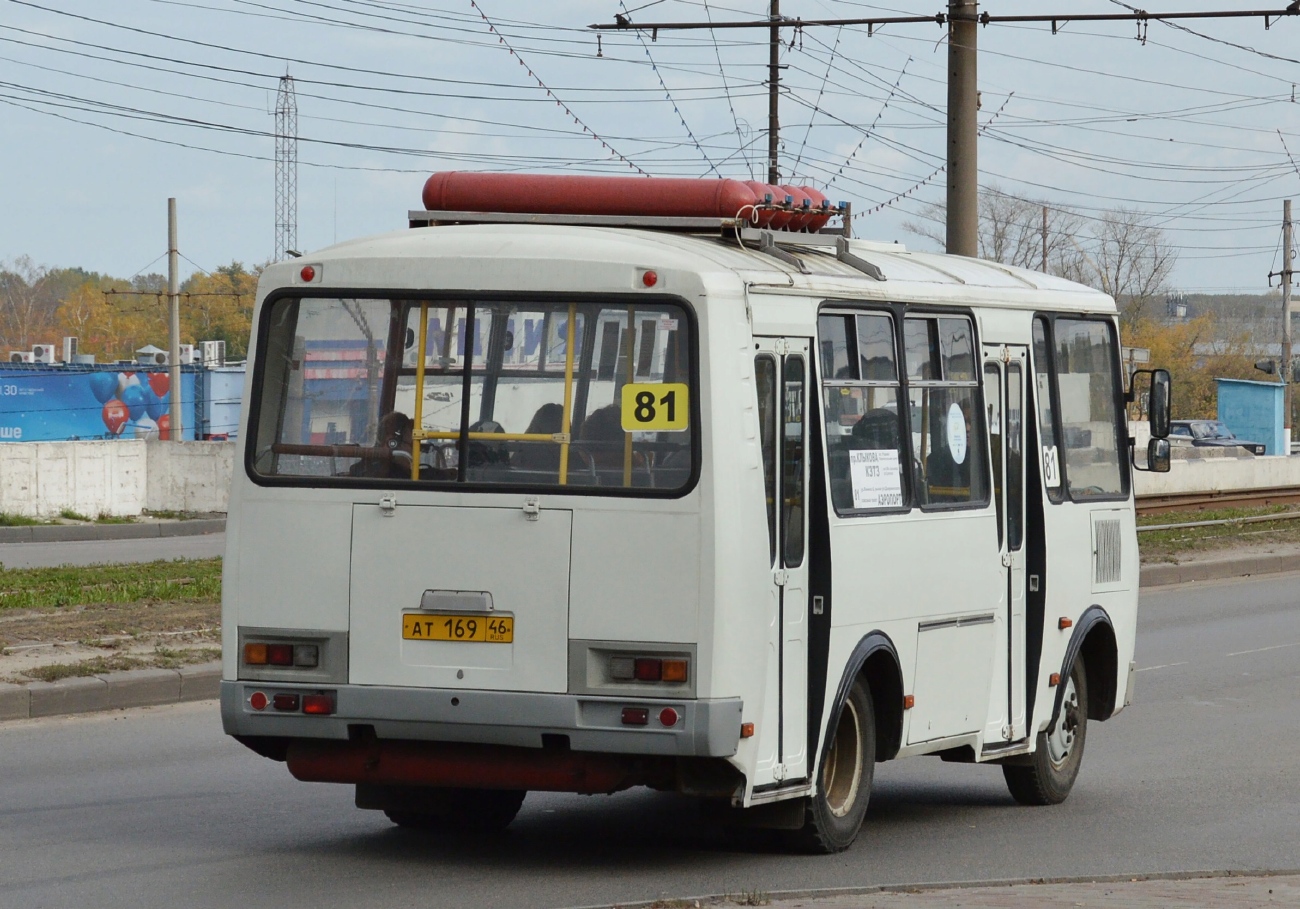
(839, 801)
(1049, 775)
(462, 811)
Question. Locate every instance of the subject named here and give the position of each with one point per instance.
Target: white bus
(580, 504)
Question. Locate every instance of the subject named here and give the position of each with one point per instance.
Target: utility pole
(1286, 324)
(174, 404)
(963, 23)
(773, 92)
(1044, 239)
(963, 129)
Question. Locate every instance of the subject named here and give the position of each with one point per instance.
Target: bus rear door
(782, 369)
(1004, 397)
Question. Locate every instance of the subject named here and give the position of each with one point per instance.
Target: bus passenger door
(1004, 397)
(781, 368)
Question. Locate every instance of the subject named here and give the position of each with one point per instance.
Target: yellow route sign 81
(665, 407)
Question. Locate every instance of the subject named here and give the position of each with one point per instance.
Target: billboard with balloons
(54, 404)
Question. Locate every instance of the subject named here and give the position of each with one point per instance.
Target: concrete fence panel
(41, 479)
(189, 476)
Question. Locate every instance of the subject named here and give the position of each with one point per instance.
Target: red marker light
(650, 278)
(636, 716)
(308, 274)
(668, 716)
(285, 702)
(318, 704)
(257, 701)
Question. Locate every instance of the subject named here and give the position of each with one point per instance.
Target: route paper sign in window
(877, 481)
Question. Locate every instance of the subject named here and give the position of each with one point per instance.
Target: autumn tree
(219, 307)
(1196, 353)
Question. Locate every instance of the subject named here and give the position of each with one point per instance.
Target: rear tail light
(279, 654)
(636, 716)
(674, 671)
(648, 669)
(285, 702)
(318, 704)
(303, 656)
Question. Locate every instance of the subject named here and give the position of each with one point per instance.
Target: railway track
(1228, 498)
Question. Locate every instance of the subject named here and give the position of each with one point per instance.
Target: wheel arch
(875, 660)
(1093, 642)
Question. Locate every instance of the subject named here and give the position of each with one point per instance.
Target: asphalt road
(90, 552)
(155, 808)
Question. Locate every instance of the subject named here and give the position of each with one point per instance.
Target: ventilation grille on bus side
(1108, 551)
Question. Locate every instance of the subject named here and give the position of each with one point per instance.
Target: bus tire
(833, 814)
(1049, 774)
(473, 811)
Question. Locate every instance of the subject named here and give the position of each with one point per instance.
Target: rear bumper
(704, 728)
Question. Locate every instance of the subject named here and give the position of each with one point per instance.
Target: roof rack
(766, 240)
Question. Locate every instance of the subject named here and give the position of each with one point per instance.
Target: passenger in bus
(483, 453)
(541, 456)
(394, 438)
(605, 439)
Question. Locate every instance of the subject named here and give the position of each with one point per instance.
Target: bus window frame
(979, 427)
(403, 296)
(852, 308)
(1121, 409)
(898, 312)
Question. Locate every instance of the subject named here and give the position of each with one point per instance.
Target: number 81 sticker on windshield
(665, 406)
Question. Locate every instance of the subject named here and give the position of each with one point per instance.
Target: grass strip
(161, 658)
(1162, 545)
(181, 580)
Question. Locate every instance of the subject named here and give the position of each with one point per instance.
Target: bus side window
(860, 391)
(943, 394)
(1087, 394)
(792, 466)
(1046, 413)
(765, 374)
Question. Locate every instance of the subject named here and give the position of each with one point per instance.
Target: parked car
(1210, 433)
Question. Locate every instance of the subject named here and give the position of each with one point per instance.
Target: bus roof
(582, 258)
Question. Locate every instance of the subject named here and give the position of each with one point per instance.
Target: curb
(1217, 570)
(781, 897)
(67, 533)
(110, 691)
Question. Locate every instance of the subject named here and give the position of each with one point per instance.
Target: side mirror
(1158, 399)
(1158, 455)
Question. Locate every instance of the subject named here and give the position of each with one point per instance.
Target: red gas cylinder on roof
(557, 194)
(820, 204)
(777, 220)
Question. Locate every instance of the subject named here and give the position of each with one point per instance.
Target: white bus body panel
(692, 570)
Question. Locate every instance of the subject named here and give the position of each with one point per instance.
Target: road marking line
(1262, 649)
(1161, 666)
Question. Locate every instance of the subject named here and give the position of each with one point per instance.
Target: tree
(1011, 231)
(1126, 256)
(26, 304)
(1196, 353)
(219, 307)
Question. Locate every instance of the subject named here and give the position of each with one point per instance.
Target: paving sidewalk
(1220, 891)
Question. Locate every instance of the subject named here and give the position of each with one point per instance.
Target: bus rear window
(540, 394)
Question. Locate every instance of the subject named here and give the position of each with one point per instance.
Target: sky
(111, 107)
